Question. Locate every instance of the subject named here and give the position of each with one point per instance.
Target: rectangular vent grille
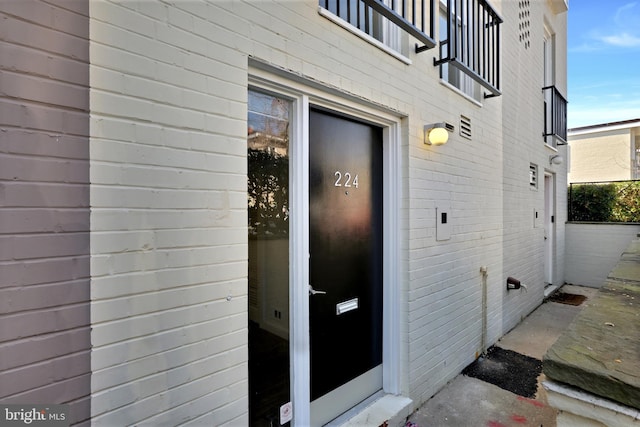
(533, 176)
(465, 127)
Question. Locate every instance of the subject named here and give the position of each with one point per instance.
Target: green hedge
(605, 202)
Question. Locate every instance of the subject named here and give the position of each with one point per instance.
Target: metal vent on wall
(465, 127)
(533, 176)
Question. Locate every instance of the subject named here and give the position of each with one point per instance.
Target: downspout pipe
(483, 339)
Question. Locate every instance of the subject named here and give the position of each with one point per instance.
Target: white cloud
(596, 96)
(625, 13)
(623, 30)
(622, 40)
(585, 48)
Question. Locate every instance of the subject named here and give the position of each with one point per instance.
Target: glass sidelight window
(268, 227)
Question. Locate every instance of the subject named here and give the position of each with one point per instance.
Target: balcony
(555, 117)
(472, 42)
(375, 17)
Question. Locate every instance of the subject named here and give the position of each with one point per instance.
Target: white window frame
(392, 38)
(549, 65)
(303, 94)
(549, 57)
(451, 76)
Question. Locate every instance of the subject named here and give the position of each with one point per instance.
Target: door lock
(314, 292)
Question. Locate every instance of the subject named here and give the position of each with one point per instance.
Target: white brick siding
(523, 144)
(168, 172)
(44, 204)
(593, 250)
(168, 179)
(168, 197)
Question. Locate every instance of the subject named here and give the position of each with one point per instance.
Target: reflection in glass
(268, 227)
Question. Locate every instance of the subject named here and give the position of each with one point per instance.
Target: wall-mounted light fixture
(555, 159)
(437, 133)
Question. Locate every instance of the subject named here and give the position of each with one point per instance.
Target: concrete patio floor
(467, 401)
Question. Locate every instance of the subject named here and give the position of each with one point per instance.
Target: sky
(603, 61)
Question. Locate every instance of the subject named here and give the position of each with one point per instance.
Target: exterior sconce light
(555, 159)
(437, 133)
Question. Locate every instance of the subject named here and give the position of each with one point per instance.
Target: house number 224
(345, 179)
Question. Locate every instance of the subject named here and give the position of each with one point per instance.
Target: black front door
(345, 232)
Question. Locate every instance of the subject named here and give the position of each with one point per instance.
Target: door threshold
(379, 409)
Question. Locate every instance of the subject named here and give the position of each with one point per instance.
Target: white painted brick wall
(168, 174)
(168, 218)
(562, 216)
(44, 204)
(523, 145)
(594, 249)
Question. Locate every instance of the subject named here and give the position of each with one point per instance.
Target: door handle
(314, 292)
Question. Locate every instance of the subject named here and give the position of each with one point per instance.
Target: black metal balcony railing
(473, 42)
(415, 17)
(555, 115)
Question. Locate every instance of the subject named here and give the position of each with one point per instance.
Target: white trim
(559, 6)
(459, 91)
(344, 398)
(603, 128)
(299, 268)
(380, 409)
(364, 36)
(392, 194)
(551, 147)
(304, 93)
(549, 47)
(549, 226)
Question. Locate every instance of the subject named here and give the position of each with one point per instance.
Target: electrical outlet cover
(443, 221)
